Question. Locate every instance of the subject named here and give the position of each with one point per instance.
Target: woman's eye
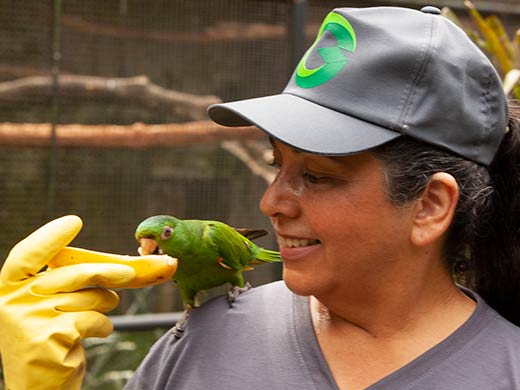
(312, 179)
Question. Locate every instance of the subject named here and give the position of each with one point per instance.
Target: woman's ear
(434, 210)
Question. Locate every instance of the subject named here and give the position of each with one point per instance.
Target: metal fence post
(55, 109)
(296, 29)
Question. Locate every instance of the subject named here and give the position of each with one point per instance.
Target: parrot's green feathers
(267, 256)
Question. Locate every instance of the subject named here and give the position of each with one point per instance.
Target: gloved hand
(44, 315)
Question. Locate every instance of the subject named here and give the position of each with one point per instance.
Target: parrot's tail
(267, 256)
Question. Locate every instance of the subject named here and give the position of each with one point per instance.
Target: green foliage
(491, 36)
(112, 361)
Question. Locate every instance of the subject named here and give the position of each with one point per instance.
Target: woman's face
(337, 231)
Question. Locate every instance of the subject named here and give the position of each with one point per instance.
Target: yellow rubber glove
(44, 315)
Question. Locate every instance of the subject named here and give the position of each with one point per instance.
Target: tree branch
(138, 90)
(136, 136)
(253, 154)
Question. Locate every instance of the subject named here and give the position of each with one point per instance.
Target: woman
(398, 185)
(398, 179)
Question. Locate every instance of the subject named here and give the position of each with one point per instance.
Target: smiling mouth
(295, 242)
(149, 246)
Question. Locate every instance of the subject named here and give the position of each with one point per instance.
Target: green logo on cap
(333, 56)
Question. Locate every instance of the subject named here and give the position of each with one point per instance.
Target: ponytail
(495, 246)
(482, 248)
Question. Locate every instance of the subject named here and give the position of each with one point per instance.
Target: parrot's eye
(166, 233)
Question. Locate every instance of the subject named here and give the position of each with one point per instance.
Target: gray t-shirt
(266, 342)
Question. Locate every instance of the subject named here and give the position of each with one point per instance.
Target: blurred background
(103, 115)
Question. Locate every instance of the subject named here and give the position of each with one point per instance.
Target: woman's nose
(279, 199)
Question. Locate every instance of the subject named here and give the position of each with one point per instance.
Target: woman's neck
(377, 340)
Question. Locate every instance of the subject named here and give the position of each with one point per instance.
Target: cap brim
(302, 124)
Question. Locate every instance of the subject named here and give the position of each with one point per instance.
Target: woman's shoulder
(258, 295)
(488, 321)
(271, 300)
(220, 340)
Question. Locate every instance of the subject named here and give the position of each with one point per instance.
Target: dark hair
(483, 243)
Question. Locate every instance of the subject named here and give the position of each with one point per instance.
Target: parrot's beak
(148, 246)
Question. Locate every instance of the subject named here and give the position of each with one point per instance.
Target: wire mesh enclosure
(74, 74)
(71, 68)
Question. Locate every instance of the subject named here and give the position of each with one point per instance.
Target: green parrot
(210, 254)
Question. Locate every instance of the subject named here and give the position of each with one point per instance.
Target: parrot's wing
(233, 248)
(252, 234)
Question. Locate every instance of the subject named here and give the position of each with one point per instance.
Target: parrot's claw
(235, 291)
(179, 327)
(177, 331)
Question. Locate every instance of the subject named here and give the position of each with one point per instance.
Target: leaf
(516, 49)
(475, 37)
(496, 25)
(493, 42)
(511, 80)
(516, 92)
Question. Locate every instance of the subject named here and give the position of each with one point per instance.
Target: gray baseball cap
(375, 74)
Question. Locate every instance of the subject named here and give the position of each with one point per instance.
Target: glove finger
(85, 323)
(32, 253)
(78, 276)
(90, 299)
(94, 324)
